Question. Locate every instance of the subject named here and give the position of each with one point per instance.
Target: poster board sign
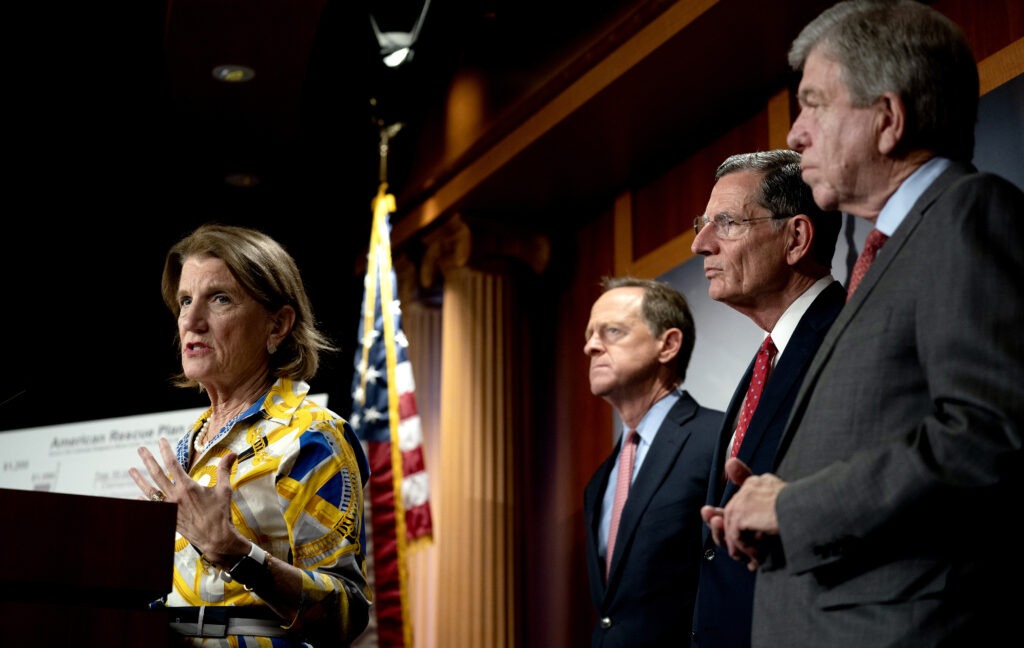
(92, 457)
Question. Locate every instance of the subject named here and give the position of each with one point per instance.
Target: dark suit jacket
(904, 455)
(725, 598)
(648, 600)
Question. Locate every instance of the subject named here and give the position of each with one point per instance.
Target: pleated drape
(476, 562)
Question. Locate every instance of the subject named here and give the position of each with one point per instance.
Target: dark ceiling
(120, 141)
(120, 98)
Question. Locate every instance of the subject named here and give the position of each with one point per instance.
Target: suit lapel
(786, 375)
(882, 262)
(721, 452)
(668, 442)
(798, 354)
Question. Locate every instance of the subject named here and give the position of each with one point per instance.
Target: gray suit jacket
(904, 449)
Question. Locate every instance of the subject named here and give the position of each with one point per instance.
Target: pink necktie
(626, 457)
(761, 368)
(872, 245)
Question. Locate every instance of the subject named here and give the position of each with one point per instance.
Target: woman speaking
(268, 483)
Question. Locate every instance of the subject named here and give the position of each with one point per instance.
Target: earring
(271, 348)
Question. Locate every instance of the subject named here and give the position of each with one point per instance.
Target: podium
(78, 570)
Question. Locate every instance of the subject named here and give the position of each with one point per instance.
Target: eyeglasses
(726, 227)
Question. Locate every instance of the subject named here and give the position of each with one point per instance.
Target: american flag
(385, 418)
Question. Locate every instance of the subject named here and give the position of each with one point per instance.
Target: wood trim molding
(666, 257)
(779, 120)
(603, 74)
(1001, 67)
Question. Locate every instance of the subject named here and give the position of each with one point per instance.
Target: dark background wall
(92, 205)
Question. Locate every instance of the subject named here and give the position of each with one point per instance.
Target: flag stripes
(386, 419)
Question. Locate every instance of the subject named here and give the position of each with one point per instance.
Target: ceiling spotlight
(233, 73)
(396, 47)
(242, 180)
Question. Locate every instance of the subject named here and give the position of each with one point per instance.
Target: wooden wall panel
(989, 25)
(664, 208)
(573, 435)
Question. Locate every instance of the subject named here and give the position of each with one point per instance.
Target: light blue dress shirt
(647, 429)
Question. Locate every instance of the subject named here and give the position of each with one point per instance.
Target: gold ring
(158, 496)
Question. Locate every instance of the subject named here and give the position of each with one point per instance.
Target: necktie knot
(874, 242)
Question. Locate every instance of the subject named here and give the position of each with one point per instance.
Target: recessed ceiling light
(242, 180)
(233, 73)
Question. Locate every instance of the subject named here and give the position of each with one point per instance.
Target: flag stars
(369, 337)
(380, 362)
(372, 374)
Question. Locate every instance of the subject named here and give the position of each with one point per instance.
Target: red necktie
(872, 245)
(762, 366)
(626, 457)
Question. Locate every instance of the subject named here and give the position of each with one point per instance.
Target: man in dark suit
(639, 339)
(767, 251)
(883, 523)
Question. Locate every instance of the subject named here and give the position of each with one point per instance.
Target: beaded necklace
(196, 443)
(200, 447)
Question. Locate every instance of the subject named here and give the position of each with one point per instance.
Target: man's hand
(713, 516)
(749, 518)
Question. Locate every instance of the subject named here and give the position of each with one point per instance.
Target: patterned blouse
(298, 493)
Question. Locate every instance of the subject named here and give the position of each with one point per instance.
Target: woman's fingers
(147, 489)
(161, 484)
(174, 473)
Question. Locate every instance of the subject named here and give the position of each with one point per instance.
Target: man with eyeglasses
(767, 251)
(884, 520)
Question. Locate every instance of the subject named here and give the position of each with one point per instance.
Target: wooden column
(482, 410)
(421, 319)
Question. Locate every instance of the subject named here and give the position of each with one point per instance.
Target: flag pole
(386, 133)
(386, 418)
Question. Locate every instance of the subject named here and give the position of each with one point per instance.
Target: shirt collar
(787, 324)
(900, 203)
(652, 420)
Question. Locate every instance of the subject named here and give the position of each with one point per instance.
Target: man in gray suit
(884, 521)
(767, 252)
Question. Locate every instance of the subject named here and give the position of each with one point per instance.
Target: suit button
(606, 623)
(709, 555)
